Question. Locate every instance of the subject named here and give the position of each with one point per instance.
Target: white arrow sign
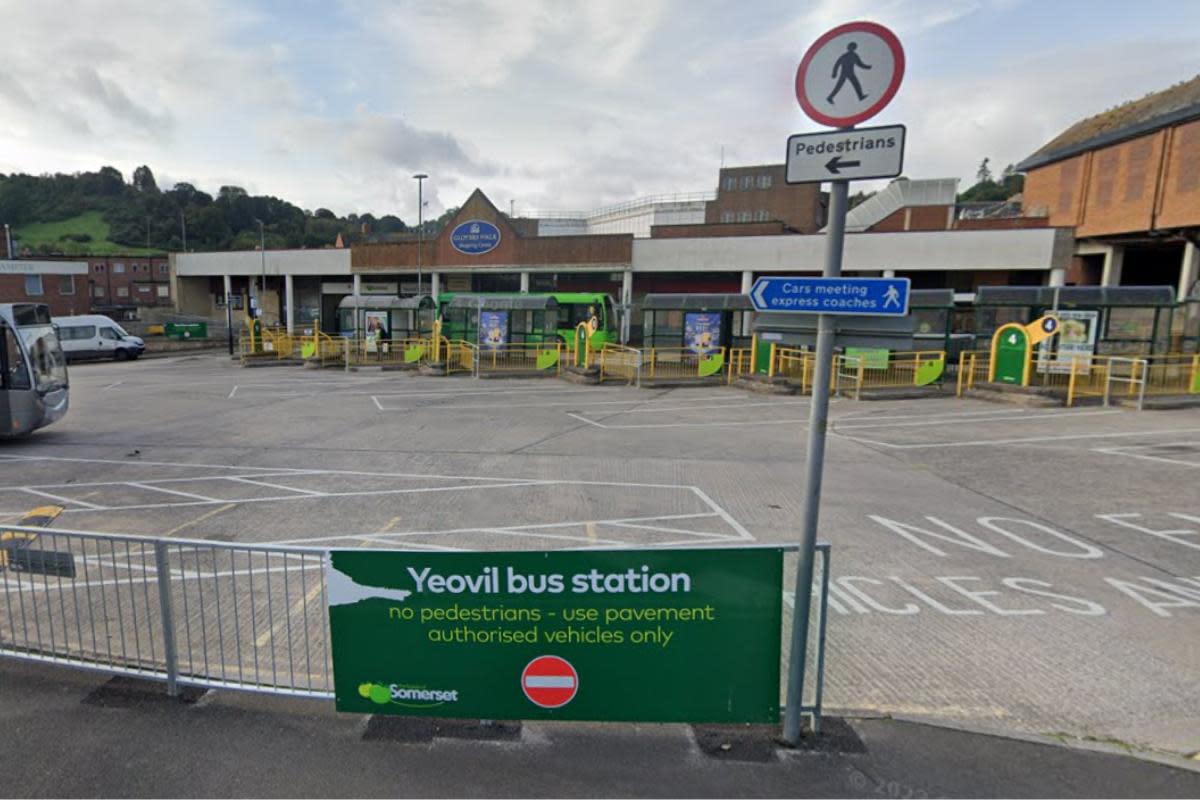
(846, 155)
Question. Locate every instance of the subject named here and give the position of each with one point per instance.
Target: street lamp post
(420, 176)
(262, 251)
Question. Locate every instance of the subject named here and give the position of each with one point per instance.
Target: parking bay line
(733, 424)
(1027, 418)
(1028, 440)
(266, 636)
(198, 519)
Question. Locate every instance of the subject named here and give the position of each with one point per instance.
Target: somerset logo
(407, 696)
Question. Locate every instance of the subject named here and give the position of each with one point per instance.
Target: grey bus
(33, 370)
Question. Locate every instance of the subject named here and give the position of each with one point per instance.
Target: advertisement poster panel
(702, 332)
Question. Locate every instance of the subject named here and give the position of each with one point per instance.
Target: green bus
(536, 317)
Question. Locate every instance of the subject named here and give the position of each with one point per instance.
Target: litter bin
(186, 330)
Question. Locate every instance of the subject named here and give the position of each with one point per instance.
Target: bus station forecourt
(1011, 569)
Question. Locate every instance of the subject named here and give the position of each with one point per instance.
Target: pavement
(1027, 572)
(75, 734)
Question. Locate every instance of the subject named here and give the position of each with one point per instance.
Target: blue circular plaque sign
(475, 237)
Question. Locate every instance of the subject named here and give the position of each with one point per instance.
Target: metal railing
(890, 370)
(740, 362)
(218, 615)
(619, 362)
(682, 364)
(541, 357)
(209, 614)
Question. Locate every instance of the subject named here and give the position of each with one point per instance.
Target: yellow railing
(681, 364)
(793, 365)
(895, 370)
(618, 362)
(1096, 376)
(458, 355)
(526, 357)
(973, 368)
(741, 362)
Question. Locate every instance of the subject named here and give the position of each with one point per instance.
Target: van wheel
(120, 355)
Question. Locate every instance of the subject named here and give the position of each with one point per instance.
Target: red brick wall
(718, 229)
(12, 290)
(798, 206)
(1179, 204)
(1151, 182)
(106, 284)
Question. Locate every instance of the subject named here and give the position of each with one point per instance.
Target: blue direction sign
(866, 297)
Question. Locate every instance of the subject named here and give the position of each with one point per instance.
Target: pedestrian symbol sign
(549, 681)
(865, 297)
(850, 74)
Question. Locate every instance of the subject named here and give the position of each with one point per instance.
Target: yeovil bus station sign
(620, 635)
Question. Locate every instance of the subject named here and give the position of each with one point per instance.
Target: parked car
(96, 336)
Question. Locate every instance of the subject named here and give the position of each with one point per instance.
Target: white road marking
(277, 486)
(1027, 440)
(112, 386)
(232, 392)
(377, 403)
(1125, 451)
(61, 499)
(1022, 420)
(172, 491)
(731, 424)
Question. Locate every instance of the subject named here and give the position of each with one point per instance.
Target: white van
(96, 336)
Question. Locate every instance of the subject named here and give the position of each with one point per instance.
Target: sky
(545, 104)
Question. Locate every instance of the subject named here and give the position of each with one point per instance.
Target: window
(143, 288)
(118, 268)
(726, 216)
(747, 182)
(743, 216)
(97, 291)
(66, 284)
(164, 291)
(15, 375)
(730, 184)
(71, 332)
(162, 269)
(764, 181)
(97, 268)
(122, 291)
(761, 215)
(33, 285)
(109, 334)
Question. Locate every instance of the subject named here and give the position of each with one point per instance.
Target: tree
(984, 174)
(143, 180)
(112, 182)
(230, 193)
(324, 213)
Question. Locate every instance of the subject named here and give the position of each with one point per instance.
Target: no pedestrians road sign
(845, 155)
(549, 681)
(850, 74)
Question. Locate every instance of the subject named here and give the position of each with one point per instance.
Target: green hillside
(85, 234)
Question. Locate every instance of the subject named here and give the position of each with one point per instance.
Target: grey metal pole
(262, 249)
(420, 177)
(163, 574)
(814, 466)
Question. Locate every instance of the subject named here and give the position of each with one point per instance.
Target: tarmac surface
(1022, 571)
(74, 734)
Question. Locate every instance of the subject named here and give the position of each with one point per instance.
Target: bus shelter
(385, 317)
(495, 320)
(699, 322)
(1096, 320)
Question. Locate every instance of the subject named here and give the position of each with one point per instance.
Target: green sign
(1011, 346)
(872, 357)
(630, 635)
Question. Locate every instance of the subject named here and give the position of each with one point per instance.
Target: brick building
(760, 194)
(1128, 182)
(62, 285)
(121, 284)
